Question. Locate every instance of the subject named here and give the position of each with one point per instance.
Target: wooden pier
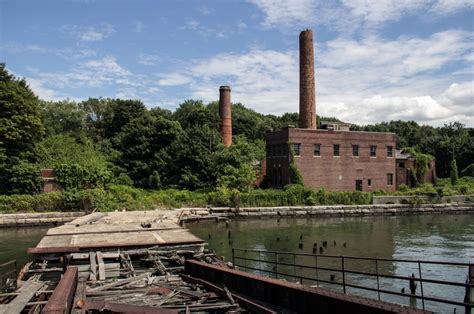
(144, 262)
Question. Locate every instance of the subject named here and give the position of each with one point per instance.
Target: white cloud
(349, 14)
(173, 79)
(148, 59)
(106, 65)
(368, 80)
(205, 31)
(40, 90)
(241, 26)
(88, 33)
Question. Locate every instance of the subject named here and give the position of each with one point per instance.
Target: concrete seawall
(195, 214)
(37, 219)
(216, 213)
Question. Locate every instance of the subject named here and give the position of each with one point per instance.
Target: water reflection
(433, 237)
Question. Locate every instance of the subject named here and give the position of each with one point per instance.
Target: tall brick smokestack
(307, 88)
(225, 113)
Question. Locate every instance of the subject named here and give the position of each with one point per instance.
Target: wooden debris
(21, 300)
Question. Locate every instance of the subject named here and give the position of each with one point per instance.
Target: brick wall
(330, 172)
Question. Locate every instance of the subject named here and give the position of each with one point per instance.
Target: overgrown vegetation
(113, 154)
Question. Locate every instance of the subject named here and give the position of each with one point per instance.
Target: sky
(374, 60)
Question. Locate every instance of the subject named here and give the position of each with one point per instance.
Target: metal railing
(275, 265)
(8, 275)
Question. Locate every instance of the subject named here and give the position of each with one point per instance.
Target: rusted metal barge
(144, 262)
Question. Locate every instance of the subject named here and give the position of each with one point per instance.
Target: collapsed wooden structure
(144, 262)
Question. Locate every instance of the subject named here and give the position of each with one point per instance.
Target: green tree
(238, 166)
(454, 172)
(21, 127)
(144, 144)
(64, 117)
(192, 158)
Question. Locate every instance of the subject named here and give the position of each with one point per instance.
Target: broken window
(336, 150)
(369, 182)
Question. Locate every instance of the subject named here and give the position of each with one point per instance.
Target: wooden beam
(93, 275)
(100, 261)
(63, 295)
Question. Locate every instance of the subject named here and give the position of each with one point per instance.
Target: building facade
(333, 160)
(406, 167)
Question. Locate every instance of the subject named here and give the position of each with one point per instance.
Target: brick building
(333, 160)
(331, 157)
(406, 166)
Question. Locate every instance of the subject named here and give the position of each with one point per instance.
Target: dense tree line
(96, 141)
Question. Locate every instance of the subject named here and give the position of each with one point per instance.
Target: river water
(437, 237)
(430, 237)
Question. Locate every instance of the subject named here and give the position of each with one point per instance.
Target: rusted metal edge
(76, 249)
(124, 308)
(63, 295)
(232, 278)
(246, 302)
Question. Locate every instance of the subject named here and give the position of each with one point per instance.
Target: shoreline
(12, 220)
(223, 213)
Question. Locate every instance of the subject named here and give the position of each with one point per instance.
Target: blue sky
(375, 60)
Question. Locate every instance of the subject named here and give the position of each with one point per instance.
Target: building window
(336, 150)
(373, 151)
(355, 150)
(389, 178)
(389, 151)
(277, 150)
(296, 149)
(317, 150)
(369, 182)
(270, 150)
(358, 185)
(401, 165)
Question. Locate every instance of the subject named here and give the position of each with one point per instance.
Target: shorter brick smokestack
(225, 113)
(307, 88)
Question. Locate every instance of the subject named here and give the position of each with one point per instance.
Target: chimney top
(224, 87)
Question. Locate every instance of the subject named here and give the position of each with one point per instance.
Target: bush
(403, 188)
(78, 177)
(463, 189)
(123, 179)
(24, 178)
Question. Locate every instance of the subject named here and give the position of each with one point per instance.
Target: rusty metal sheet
(63, 295)
(295, 297)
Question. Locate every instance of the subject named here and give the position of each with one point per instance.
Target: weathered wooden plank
(93, 265)
(107, 266)
(100, 261)
(19, 303)
(105, 255)
(79, 297)
(119, 282)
